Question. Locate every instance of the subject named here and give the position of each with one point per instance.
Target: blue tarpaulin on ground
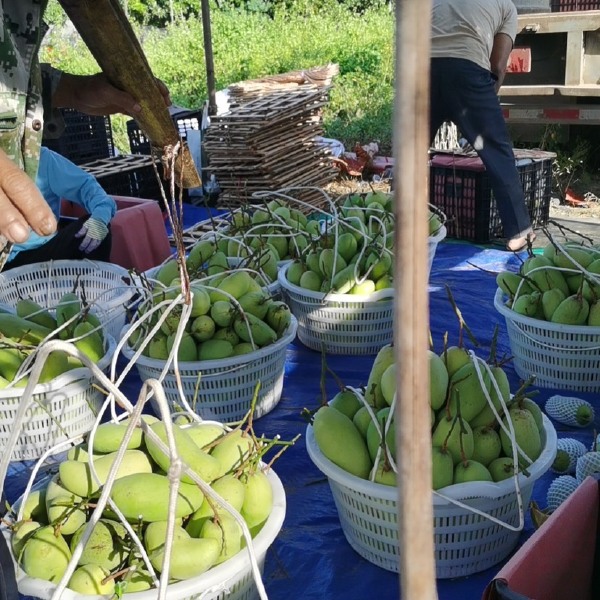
(311, 558)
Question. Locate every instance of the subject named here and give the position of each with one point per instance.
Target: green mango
(466, 388)
(77, 478)
(456, 437)
(34, 312)
(201, 463)
(486, 445)
(145, 496)
(231, 489)
(109, 437)
(167, 272)
(106, 546)
(46, 555)
(442, 467)
(347, 402)
(527, 435)
(471, 470)
(258, 500)
(340, 441)
(91, 580)
(64, 508)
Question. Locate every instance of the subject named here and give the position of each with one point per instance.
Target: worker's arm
(94, 95)
(501, 50)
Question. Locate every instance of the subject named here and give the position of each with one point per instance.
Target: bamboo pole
(110, 38)
(209, 59)
(411, 313)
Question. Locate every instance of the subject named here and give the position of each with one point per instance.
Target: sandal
(520, 243)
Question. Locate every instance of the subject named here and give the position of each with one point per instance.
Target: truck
(553, 76)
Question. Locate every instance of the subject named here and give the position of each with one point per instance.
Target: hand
(94, 95)
(92, 232)
(21, 205)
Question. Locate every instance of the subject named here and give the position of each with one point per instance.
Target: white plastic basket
(432, 244)
(62, 409)
(340, 323)
(465, 542)
(106, 286)
(565, 357)
(231, 580)
(224, 388)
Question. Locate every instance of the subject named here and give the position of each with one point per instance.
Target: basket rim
(66, 378)
(232, 361)
(215, 576)
(51, 267)
(459, 491)
(511, 315)
(64, 263)
(380, 295)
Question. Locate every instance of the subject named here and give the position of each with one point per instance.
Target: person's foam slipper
(521, 243)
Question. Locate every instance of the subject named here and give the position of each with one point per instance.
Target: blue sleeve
(59, 178)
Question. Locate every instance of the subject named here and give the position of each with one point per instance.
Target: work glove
(92, 232)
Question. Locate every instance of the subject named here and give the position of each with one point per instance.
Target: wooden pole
(110, 38)
(209, 59)
(411, 314)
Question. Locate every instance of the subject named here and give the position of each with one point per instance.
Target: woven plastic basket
(565, 357)
(224, 388)
(62, 409)
(465, 542)
(432, 244)
(106, 286)
(231, 580)
(340, 323)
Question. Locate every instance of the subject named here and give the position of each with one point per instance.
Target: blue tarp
(311, 558)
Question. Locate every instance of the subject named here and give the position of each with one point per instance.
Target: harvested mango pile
(562, 285)
(231, 314)
(54, 517)
(31, 324)
(474, 420)
(353, 255)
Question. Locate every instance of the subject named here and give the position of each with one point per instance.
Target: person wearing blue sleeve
(88, 236)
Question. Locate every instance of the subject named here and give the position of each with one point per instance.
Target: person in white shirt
(471, 41)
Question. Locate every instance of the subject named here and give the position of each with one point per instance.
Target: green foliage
(248, 45)
(571, 162)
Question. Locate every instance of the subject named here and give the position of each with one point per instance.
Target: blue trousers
(463, 92)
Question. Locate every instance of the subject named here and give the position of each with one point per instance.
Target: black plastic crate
(85, 137)
(183, 119)
(571, 5)
(460, 187)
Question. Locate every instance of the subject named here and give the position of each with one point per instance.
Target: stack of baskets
(466, 542)
(560, 356)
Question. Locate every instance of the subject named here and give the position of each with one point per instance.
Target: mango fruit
(201, 463)
(76, 476)
(340, 441)
(46, 555)
(145, 496)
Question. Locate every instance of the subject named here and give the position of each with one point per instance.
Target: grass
(250, 45)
